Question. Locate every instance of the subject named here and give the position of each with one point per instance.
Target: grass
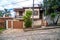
(2, 29)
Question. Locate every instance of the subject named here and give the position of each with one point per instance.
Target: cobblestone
(51, 34)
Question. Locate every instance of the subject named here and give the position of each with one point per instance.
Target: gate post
(6, 24)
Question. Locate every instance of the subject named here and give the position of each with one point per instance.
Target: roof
(31, 7)
(22, 9)
(18, 9)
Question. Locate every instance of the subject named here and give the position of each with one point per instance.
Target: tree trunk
(55, 23)
(57, 20)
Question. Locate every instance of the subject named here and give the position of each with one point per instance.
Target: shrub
(28, 23)
(53, 15)
(27, 19)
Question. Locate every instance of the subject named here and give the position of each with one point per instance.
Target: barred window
(35, 12)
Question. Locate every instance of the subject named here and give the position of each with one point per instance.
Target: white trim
(6, 24)
(23, 25)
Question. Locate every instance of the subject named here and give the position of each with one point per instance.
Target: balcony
(19, 16)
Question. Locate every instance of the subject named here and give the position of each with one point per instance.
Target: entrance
(14, 24)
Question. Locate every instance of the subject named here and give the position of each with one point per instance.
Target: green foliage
(55, 7)
(27, 19)
(6, 11)
(53, 15)
(52, 9)
(2, 29)
(28, 13)
(51, 5)
(1, 14)
(8, 14)
(28, 23)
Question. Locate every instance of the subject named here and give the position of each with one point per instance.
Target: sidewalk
(12, 31)
(42, 28)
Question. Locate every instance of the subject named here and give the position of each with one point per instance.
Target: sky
(9, 4)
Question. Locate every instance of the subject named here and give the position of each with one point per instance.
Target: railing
(19, 16)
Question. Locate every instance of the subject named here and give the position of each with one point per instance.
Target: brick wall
(18, 24)
(9, 24)
(2, 23)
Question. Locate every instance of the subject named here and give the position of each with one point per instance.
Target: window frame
(35, 13)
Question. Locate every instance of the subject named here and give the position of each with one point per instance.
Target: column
(6, 24)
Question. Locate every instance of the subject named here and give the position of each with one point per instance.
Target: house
(18, 22)
(37, 15)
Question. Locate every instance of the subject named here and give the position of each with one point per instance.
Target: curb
(46, 28)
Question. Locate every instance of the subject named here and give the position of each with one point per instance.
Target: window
(20, 13)
(35, 12)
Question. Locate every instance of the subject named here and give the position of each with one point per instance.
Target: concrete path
(50, 34)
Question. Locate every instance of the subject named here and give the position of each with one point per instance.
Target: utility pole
(32, 14)
(45, 6)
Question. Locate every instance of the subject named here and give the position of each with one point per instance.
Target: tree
(1, 14)
(53, 9)
(6, 12)
(27, 19)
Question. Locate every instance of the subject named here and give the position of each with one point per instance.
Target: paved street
(50, 34)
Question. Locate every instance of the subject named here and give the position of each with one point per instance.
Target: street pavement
(49, 34)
